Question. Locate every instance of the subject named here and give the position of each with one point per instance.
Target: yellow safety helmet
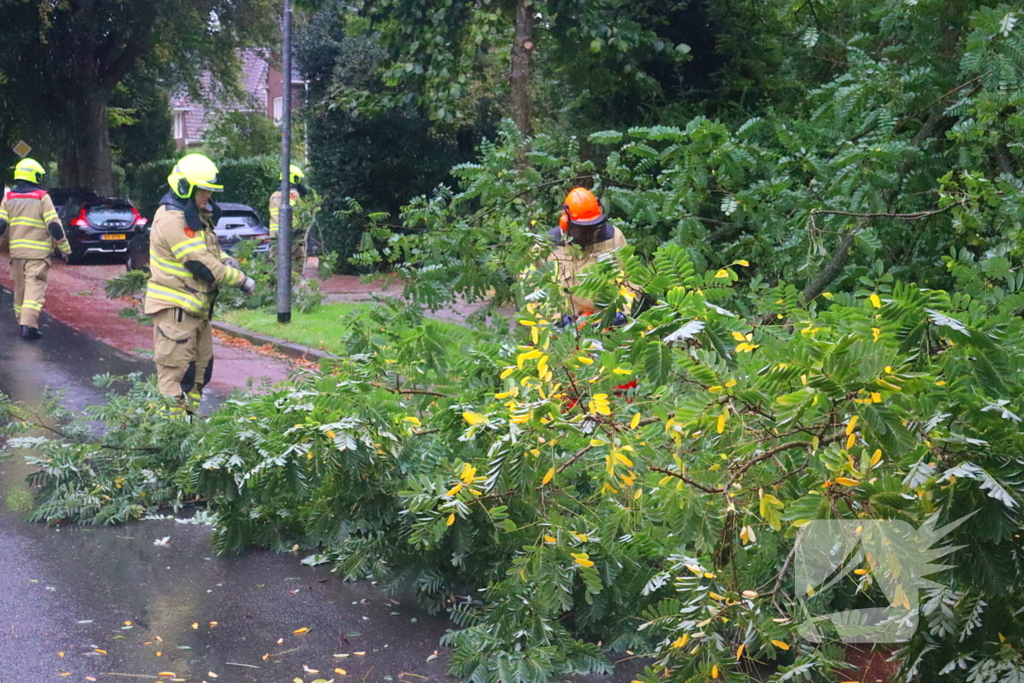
(295, 175)
(192, 171)
(30, 170)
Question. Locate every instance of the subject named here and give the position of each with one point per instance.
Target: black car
(98, 225)
(240, 222)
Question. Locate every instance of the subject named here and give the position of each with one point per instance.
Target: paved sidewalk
(351, 289)
(76, 297)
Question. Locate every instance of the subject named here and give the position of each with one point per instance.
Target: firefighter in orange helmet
(583, 235)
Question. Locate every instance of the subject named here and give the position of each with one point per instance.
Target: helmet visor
(210, 185)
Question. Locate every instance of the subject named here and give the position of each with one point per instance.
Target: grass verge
(321, 329)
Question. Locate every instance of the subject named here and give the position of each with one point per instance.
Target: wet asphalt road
(120, 608)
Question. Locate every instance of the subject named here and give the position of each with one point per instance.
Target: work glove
(249, 286)
(232, 262)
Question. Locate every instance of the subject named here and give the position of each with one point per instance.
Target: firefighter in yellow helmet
(28, 211)
(186, 269)
(298, 191)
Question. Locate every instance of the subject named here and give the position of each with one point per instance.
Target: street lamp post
(284, 232)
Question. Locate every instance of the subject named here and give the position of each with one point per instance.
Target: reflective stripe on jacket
(28, 211)
(275, 211)
(173, 245)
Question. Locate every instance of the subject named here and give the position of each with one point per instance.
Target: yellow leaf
(738, 336)
(413, 420)
(623, 459)
(850, 440)
(622, 371)
(214, 623)
(722, 273)
(582, 559)
(875, 334)
(876, 397)
(695, 569)
(542, 366)
(635, 422)
(739, 651)
(450, 520)
(876, 457)
(300, 631)
(852, 424)
(846, 481)
(745, 347)
(741, 262)
(750, 594)
(730, 384)
(330, 434)
(195, 624)
(548, 476)
(714, 671)
(100, 652)
(506, 372)
(716, 596)
(583, 537)
(549, 539)
(454, 490)
(359, 654)
(340, 672)
(779, 644)
(681, 641)
(721, 422)
(585, 360)
(875, 301)
(527, 323)
(474, 419)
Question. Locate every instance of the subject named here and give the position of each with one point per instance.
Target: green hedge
(246, 181)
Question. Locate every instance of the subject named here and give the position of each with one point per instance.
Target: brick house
(262, 92)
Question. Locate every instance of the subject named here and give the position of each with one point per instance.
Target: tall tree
(71, 55)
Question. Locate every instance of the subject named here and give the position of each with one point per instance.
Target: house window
(179, 125)
(278, 109)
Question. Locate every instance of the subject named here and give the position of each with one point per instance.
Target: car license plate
(113, 236)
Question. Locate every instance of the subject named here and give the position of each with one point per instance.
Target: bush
(248, 181)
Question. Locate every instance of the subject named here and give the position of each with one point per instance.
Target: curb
(287, 348)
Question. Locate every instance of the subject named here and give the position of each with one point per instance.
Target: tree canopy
(63, 62)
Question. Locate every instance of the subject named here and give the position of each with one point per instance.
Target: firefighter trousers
(298, 252)
(29, 288)
(183, 353)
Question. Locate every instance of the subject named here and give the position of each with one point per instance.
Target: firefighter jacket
(570, 262)
(185, 262)
(275, 210)
(28, 212)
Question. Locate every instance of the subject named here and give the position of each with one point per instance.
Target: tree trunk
(522, 46)
(85, 161)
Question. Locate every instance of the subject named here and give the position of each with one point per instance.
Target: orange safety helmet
(581, 208)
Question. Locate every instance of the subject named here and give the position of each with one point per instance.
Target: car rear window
(234, 221)
(102, 214)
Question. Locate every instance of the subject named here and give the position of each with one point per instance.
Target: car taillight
(139, 220)
(81, 221)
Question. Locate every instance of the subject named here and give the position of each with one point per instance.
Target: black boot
(30, 332)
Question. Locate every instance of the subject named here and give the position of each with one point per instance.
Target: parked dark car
(240, 222)
(98, 225)
(237, 222)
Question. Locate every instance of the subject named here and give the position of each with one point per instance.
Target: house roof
(200, 113)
